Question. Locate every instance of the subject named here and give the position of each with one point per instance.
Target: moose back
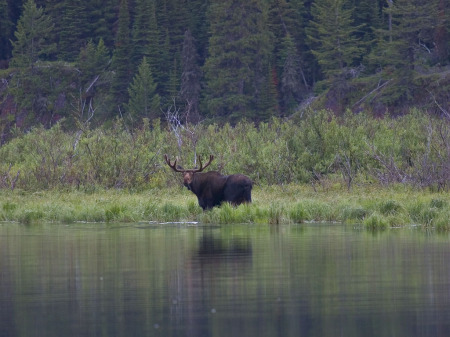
(213, 188)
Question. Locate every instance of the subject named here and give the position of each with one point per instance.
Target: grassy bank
(371, 207)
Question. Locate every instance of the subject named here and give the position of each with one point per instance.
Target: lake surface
(230, 280)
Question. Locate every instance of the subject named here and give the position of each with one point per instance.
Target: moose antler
(211, 157)
(174, 165)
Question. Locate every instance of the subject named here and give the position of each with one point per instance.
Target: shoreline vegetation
(353, 168)
(370, 207)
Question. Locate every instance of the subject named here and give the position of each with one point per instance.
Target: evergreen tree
(163, 69)
(32, 36)
(95, 79)
(174, 78)
(6, 27)
(55, 10)
(190, 78)
(310, 69)
(405, 42)
(234, 75)
(332, 37)
(199, 25)
(144, 102)
(172, 18)
(282, 23)
(179, 21)
(16, 8)
(93, 61)
(87, 61)
(73, 30)
(121, 59)
(442, 33)
(291, 84)
(413, 25)
(267, 105)
(101, 19)
(165, 62)
(144, 34)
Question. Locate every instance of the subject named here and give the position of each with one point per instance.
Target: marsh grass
(375, 221)
(374, 208)
(353, 213)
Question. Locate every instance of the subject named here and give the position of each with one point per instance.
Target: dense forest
(221, 61)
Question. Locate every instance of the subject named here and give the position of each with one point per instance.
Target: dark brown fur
(213, 188)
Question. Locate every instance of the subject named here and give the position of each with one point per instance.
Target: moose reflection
(213, 188)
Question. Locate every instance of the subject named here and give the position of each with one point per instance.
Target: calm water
(233, 280)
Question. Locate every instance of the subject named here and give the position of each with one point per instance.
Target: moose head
(188, 175)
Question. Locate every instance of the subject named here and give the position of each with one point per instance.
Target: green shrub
(319, 147)
(421, 213)
(319, 210)
(442, 222)
(276, 214)
(115, 213)
(351, 214)
(298, 213)
(9, 206)
(390, 207)
(31, 216)
(438, 203)
(375, 222)
(170, 212)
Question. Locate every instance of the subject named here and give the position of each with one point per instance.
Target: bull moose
(213, 188)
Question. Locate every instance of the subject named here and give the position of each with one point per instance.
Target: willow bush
(319, 148)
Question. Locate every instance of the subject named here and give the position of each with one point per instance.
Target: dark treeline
(223, 61)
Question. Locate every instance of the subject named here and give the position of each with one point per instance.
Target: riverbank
(371, 207)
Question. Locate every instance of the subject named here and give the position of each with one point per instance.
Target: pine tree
(199, 25)
(413, 25)
(92, 61)
(366, 15)
(178, 13)
(73, 29)
(234, 76)
(144, 102)
(291, 84)
(173, 86)
(165, 61)
(442, 33)
(55, 10)
(16, 9)
(282, 23)
(6, 27)
(121, 59)
(32, 36)
(190, 78)
(267, 105)
(144, 34)
(101, 19)
(332, 37)
(310, 69)
(405, 43)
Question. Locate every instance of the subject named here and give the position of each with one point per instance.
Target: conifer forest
(219, 61)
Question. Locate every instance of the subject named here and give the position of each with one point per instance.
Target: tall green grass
(373, 208)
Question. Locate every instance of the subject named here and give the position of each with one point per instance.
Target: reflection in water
(218, 260)
(234, 280)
